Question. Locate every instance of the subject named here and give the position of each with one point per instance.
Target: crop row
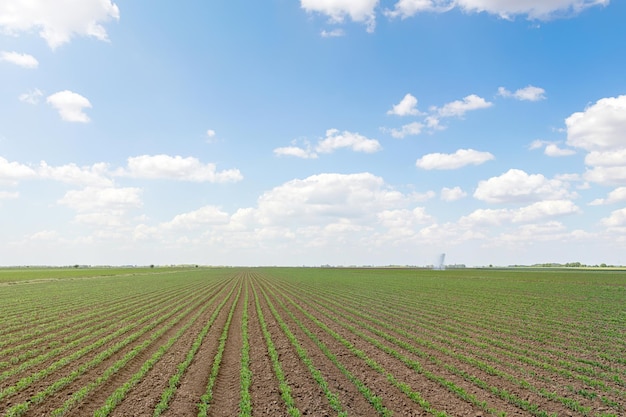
(341, 302)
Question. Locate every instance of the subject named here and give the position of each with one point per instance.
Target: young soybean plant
(283, 386)
(245, 406)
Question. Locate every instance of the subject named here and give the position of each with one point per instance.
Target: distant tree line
(573, 265)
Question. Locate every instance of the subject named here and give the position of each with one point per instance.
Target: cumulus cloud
(600, 127)
(12, 172)
(411, 129)
(404, 220)
(23, 60)
(321, 198)
(539, 211)
(102, 199)
(553, 149)
(177, 168)
(32, 97)
(408, 8)
(529, 93)
(210, 134)
(533, 9)
(452, 194)
(456, 108)
(459, 107)
(204, 216)
(617, 218)
(406, 107)
(432, 119)
(95, 175)
(336, 140)
(9, 195)
(70, 106)
(516, 186)
(333, 140)
(456, 160)
(58, 23)
(361, 11)
(295, 151)
(616, 158)
(615, 196)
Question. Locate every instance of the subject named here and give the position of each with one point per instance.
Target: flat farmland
(312, 342)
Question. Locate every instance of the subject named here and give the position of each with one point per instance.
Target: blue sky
(312, 132)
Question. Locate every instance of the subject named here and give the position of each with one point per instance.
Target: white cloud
(32, 97)
(617, 218)
(8, 195)
(12, 172)
(58, 21)
(319, 199)
(408, 8)
(533, 9)
(177, 168)
(542, 210)
(43, 235)
(615, 196)
(210, 133)
(404, 219)
(517, 186)
(335, 33)
(295, 151)
(96, 175)
(459, 107)
(23, 60)
(538, 144)
(102, 199)
(600, 127)
(539, 211)
(406, 107)
(411, 129)
(553, 149)
(362, 11)
(432, 120)
(70, 106)
(452, 194)
(616, 158)
(606, 175)
(335, 140)
(456, 160)
(204, 216)
(529, 93)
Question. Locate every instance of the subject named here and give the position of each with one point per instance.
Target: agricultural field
(312, 342)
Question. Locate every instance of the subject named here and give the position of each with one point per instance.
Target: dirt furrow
(226, 395)
(307, 394)
(142, 399)
(351, 399)
(266, 399)
(437, 395)
(118, 378)
(194, 381)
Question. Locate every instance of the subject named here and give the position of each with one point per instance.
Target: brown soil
(308, 396)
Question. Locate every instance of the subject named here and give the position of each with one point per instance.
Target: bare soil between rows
(339, 369)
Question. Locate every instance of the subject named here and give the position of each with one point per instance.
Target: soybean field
(312, 342)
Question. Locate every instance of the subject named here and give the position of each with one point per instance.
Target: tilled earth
(349, 360)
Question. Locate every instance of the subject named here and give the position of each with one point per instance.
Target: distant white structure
(441, 265)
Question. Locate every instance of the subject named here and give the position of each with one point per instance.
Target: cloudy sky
(283, 132)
